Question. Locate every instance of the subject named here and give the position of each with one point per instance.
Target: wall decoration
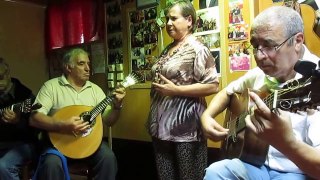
(114, 39)
(142, 4)
(207, 4)
(208, 31)
(114, 32)
(212, 41)
(238, 32)
(235, 14)
(143, 40)
(238, 38)
(98, 63)
(208, 20)
(239, 57)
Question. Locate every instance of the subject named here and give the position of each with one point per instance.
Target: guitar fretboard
(131, 79)
(100, 107)
(15, 107)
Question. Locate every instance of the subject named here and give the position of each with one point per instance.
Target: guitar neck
(1, 111)
(270, 101)
(240, 122)
(100, 107)
(131, 79)
(282, 99)
(14, 107)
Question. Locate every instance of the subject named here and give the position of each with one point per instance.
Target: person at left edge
(74, 88)
(17, 139)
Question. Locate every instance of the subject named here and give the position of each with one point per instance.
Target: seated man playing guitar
(291, 135)
(73, 90)
(17, 138)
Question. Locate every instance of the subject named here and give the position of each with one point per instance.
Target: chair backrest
(110, 137)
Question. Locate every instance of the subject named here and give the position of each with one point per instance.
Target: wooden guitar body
(244, 144)
(80, 146)
(241, 142)
(312, 40)
(83, 145)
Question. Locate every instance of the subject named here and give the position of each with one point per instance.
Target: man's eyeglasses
(270, 51)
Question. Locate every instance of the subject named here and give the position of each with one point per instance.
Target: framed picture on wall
(207, 4)
(207, 20)
(239, 57)
(142, 4)
(142, 46)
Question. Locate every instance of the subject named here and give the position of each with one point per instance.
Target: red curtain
(74, 22)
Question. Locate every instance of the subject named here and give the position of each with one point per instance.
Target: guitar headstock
(27, 106)
(299, 95)
(131, 79)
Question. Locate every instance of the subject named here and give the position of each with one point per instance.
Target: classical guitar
(83, 145)
(25, 106)
(242, 143)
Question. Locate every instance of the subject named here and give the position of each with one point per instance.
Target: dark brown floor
(136, 161)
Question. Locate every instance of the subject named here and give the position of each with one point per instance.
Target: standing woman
(184, 74)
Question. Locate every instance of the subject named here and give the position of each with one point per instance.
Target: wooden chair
(26, 171)
(76, 170)
(79, 171)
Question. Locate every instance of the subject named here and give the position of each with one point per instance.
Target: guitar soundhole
(86, 116)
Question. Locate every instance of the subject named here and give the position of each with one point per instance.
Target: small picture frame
(142, 4)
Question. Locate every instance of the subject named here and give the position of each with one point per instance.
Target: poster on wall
(208, 30)
(236, 11)
(143, 40)
(239, 57)
(238, 32)
(238, 38)
(207, 21)
(212, 41)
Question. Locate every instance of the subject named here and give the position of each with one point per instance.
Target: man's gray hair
(71, 54)
(286, 17)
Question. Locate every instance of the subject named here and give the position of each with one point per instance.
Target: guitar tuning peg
(36, 106)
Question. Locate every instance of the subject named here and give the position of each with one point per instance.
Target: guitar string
(104, 103)
(267, 100)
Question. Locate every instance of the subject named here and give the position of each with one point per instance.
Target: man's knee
(211, 171)
(51, 161)
(3, 166)
(227, 169)
(110, 158)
